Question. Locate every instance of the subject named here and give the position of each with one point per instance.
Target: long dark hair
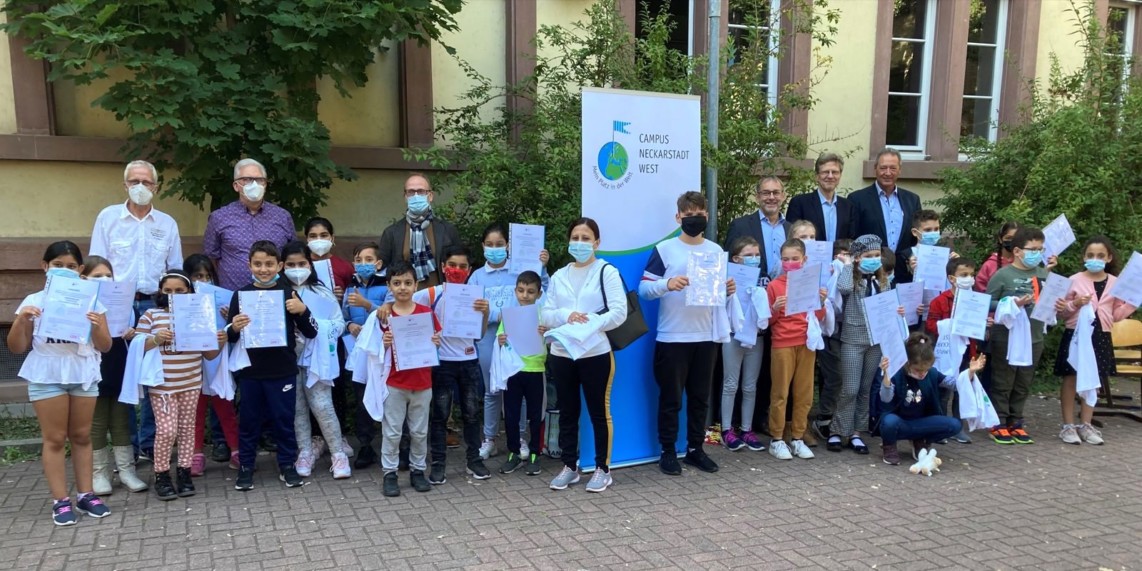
(1007, 227)
(63, 248)
(298, 247)
(197, 262)
(1111, 266)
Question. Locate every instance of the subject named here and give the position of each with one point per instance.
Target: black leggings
(524, 386)
(594, 375)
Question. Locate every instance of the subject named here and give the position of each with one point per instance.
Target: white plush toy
(927, 463)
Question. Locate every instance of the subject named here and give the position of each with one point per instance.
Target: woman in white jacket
(575, 296)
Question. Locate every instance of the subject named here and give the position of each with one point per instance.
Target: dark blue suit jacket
(808, 207)
(868, 218)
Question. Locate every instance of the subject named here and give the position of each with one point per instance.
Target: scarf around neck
(420, 253)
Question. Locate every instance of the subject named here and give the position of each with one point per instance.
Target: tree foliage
(524, 166)
(210, 81)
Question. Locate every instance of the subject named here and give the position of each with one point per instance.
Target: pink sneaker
(198, 464)
(304, 463)
(234, 463)
(341, 466)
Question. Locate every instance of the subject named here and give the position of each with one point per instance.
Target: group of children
(333, 328)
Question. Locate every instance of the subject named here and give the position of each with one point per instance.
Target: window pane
(983, 27)
(908, 19)
(976, 118)
(680, 13)
(903, 120)
(1116, 24)
(980, 71)
(907, 69)
(748, 12)
(741, 38)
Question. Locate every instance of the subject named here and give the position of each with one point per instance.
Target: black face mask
(162, 300)
(693, 226)
(1008, 245)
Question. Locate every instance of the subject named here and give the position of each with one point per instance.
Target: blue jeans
(143, 432)
(448, 376)
(273, 401)
(930, 428)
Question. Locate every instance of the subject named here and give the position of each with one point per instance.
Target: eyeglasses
(417, 191)
(146, 183)
(770, 193)
(830, 173)
(248, 179)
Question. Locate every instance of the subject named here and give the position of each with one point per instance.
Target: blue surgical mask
(496, 256)
(751, 261)
(581, 251)
(1094, 266)
(262, 283)
(418, 204)
(929, 238)
(63, 272)
(365, 271)
(869, 265)
(1032, 258)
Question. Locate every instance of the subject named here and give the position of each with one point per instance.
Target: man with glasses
(232, 229)
(830, 214)
(419, 238)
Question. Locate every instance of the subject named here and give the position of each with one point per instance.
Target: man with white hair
(232, 229)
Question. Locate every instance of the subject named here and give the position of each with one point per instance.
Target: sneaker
(511, 464)
(145, 455)
(1001, 436)
(345, 448)
(61, 512)
(1089, 434)
(366, 457)
(185, 486)
(290, 476)
(164, 487)
(418, 481)
(891, 454)
(732, 441)
(524, 449)
(436, 476)
(533, 468)
(1019, 435)
(752, 441)
(390, 487)
(487, 449)
(565, 478)
(780, 450)
(801, 450)
(698, 459)
(234, 463)
(599, 481)
(1070, 435)
(91, 505)
(821, 428)
(317, 447)
(198, 465)
(477, 470)
(245, 481)
(340, 467)
(304, 464)
(669, 465)
(963, 438)
(220, 453)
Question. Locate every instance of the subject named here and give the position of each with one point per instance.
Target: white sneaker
(1069, 435)
(524, 451)
(780, 450)
(801, 451)
(488, 449)
(340, 467)
(304, 464)
(1089, 434)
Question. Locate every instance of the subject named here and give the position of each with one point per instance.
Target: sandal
(834, 444)
(858, 445)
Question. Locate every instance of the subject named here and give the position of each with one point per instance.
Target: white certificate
(324, 271)
(707, 274)
(526, 244)
(929, 295)
(498, 298)
(1054, 289)
(803, 290)
(821, 253)
(884, 321)
(1128, 287)
(222, 298)
(932, 266)
(893, 348)
(911, 297)
(266, 310)
(192, 322)
(521, 325)
(64, 314)
(969, 314)
(459, 319)
(320, 307)
(1059, 236)
(746, 279)
(412, 341)
(119, 299)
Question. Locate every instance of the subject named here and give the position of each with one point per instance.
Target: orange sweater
(787, 330)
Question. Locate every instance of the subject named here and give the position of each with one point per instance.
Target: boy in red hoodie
(791, 362)
(961, 276)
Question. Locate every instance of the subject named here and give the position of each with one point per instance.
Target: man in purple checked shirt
(232, 229)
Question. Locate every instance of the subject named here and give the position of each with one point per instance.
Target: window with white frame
(909, 81)
(758, 19)
(983, 74)
(1120, 23)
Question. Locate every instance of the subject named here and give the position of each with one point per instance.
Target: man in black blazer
(886, 210)
(829, 213)
(397, 242)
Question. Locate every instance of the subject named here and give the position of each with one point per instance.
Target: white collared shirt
(140, 250)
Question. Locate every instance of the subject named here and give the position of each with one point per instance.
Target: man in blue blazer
(886, 210)
(829, 213)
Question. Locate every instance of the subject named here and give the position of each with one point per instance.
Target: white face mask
(140, 194)
(298, 275)
(253, 191)
(320, 247)
(965, 283)
(100, 279)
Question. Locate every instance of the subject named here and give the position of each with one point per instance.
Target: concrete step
(13, 391)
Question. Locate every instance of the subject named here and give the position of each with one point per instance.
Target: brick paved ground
(1045, 506)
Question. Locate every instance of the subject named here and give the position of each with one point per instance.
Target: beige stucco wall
(370, 116)
(1057, 36)
(480, 42)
